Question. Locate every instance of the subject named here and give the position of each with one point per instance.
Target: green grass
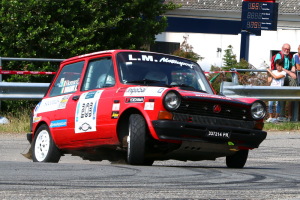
(20, 123)
(282, 126)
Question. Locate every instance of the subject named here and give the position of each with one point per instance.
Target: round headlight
(258, 110)
(172, 100)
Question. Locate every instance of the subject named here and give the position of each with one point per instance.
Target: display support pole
(244, 51)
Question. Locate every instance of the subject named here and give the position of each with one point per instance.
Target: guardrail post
(0, 68)
(295, 111)
(235, 78)
(0, 77)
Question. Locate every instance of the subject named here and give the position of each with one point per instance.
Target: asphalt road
(271, 172)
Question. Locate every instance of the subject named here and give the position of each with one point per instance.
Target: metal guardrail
(36, 91)
(234, 90)
(22, 91)
(268, 93)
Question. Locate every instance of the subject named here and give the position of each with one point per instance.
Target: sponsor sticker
(68, 86)
(58, 123)
(144, 91)
(115, 114)
(149, 106)
(85, 127)
(63, 102)
(134, 100)
(116, 107)
(51, 104)
(150, 58)
(90, 95)
(36, 119)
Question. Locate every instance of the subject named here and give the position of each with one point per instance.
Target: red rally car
(140, 107)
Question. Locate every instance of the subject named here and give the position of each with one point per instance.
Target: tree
(230, 62)
(229, 58)
(64, 28)
(186, 51)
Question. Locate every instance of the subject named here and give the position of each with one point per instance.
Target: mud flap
(28, 154)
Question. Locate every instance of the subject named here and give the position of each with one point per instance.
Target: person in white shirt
(276, 77)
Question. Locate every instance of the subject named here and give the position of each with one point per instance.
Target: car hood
(213, 97)
(187, 94)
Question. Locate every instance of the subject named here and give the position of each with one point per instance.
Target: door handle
(75, 98)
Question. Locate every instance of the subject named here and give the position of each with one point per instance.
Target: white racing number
(86, 112)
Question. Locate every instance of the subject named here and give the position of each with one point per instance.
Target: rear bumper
(183, 131)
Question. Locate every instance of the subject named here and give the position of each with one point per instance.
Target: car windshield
(145, 68)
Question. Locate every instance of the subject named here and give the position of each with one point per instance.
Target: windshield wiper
(144, 81)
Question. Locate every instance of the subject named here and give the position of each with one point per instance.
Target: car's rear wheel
(137, 141)
(43, 146)
(237, 160)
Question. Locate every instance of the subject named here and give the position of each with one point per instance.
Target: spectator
(296, 58)
(276, 77)
(290, 78)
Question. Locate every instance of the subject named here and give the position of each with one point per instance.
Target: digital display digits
(259, 15)
(254, 24)
(255, 6)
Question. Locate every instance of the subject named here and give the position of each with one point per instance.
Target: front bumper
(185, 131)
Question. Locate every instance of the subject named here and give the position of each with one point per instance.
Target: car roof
(115, 51)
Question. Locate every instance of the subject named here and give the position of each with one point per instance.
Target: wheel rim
(42, 145)
(128, 142)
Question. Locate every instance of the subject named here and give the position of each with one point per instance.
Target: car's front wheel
(237, 160)
(137, 141)
(43, 146)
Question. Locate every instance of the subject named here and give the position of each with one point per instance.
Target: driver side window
(99, 74)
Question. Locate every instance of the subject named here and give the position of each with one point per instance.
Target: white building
(208, 44)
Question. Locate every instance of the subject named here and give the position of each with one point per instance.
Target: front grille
(206, 108)
(213, 121)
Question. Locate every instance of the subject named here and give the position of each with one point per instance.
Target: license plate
(218, 134)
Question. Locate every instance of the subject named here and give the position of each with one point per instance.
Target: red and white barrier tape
(26, 72)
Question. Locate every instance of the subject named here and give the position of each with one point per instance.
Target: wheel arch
(36, 127)
(40, 123)
(122, 126)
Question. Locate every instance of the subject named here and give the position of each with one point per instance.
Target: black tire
(43, 146)
(237, 160)
(137, 141)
